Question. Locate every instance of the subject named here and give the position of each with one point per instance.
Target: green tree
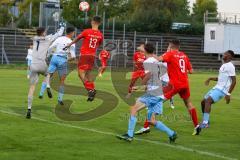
(158, 15)
(5, 16)
(114, 8)
(24, 11)
(201, 6)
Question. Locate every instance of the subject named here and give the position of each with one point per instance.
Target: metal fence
(122, 45)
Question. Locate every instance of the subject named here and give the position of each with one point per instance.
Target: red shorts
(86, 62)
(170, 91)
(138, 74)
(104, 63)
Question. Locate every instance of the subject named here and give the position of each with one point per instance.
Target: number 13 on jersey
(93, 43)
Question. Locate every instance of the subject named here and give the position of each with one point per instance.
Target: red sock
(146, 124)
(89, 85)
(193, 113)
(103, 70)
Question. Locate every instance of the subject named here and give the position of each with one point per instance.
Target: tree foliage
(201, 6)
(158, 15)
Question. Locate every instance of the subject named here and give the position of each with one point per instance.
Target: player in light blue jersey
(59, 62)
(226, 82)
(153, 99)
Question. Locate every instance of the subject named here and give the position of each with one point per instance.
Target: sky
(230, 6)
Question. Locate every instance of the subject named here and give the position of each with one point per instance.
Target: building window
(212, 34)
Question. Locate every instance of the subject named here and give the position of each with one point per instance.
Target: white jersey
(165, 77)
(226, 71)
(29, 55)
(41, 45)
(156, 68)
(61, 43)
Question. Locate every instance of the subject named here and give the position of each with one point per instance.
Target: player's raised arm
(58, 33)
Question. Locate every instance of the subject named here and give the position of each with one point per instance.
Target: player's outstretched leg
(193, 113)
(43, 88)
(60, 95)
(30, 100)
(206, 114)
(132, 122)
(162, 127)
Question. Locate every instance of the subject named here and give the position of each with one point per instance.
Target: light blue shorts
(153, 103)
(215, 94)
(58, 63)
(29, 62)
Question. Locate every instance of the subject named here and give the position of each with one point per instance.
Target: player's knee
(153, 120)
(209, 101)
(133, 111)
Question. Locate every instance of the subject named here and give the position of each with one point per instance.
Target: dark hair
(231, 52)
(40, 31)
(97, 19)
(175, 42)
(149, 48)
(70, 30)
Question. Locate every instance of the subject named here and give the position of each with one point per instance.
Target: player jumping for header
(92, 39)
(41, 43)
(59, 61)
(226, 82)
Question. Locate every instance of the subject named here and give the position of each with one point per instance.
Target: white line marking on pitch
(179, 147)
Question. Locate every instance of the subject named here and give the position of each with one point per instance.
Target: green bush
(5, 17)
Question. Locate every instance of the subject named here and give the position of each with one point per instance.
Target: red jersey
(178, 65)
(92, 39)
(138, 59)
(104, 55)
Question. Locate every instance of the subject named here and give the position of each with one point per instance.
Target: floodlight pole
(30, 14)
(113, 30)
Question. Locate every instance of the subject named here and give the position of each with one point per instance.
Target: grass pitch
(47, 136)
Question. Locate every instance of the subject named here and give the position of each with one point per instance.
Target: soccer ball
(84, 6)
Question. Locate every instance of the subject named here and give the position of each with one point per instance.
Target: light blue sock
(60, 93)
(149, 115)
(206, 117)
(43, 88)
(131, 125)
(162, 127)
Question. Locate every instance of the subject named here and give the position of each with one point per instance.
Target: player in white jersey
(226, 82)
(59, 62)
(153, 99)
(41, 43)
(29, 60)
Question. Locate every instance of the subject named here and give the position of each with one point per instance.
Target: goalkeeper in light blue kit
(59, 62)
(41, 43)
(153, 99)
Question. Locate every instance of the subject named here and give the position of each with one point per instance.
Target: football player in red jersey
(92, 39)
(138, 59)
(178, 68)
(103, 56)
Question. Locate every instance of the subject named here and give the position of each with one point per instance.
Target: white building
(223, 34)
